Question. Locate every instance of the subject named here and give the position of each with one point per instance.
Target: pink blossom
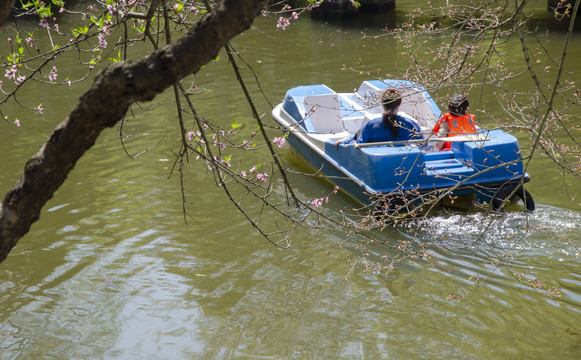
(261, 177)
(39, 109)
(294, 15)
(282, 23)
(20, 79)
(10, 73)
(53, 74)
(62, 10)
(43, 23)
(252, 169)
(30, 41)
(68, 82)
(190, 135)
(17, 123)
(90, 7)
(280, 141)
(335, 189)
(317, 202)
(243, 174)
(10, 40)
(102, 41)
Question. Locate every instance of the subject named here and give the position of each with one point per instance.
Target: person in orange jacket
(456, 121)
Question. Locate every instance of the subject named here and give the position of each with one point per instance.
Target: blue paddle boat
(487, 166)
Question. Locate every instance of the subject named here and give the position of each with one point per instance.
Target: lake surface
(111, 270)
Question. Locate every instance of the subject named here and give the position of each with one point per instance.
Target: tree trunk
(5, 7)
(114, 89)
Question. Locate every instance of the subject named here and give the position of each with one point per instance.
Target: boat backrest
(415, 104)
(367, 90)
(324, 113)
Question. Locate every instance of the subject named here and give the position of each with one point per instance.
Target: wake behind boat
(487, 166)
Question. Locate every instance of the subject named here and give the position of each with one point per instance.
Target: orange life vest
(457, 124)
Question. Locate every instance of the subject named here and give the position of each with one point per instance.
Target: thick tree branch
(115, 88)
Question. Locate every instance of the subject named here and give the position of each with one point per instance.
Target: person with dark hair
(392, 126)
(456, 121)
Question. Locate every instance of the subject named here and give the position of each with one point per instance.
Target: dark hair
(390, 99)
(458, 105)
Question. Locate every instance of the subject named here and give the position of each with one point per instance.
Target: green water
(112, 271)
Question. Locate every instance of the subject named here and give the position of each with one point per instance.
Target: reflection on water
(155, 286)
(111, 270)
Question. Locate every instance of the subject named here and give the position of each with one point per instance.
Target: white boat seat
(324, 112)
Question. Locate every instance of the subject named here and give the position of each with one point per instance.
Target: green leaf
(26, 5)
(80, 31)
(235, 125)
(118, 58)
